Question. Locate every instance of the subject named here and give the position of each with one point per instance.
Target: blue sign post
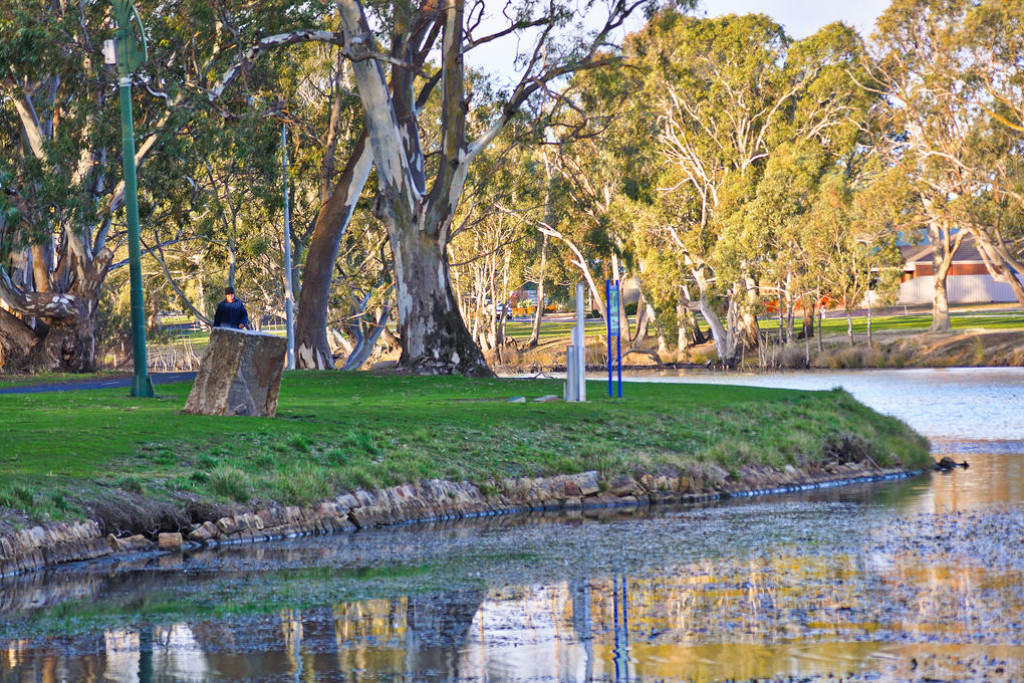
(611, 297)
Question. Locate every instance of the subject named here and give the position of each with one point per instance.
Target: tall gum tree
(948, 69)
(418, 210)
(720, 97)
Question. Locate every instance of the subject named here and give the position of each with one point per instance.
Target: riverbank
(90, 473)
(891, 349)
(981, 336)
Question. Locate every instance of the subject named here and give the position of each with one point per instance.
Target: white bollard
(576, 356)
(571, 383)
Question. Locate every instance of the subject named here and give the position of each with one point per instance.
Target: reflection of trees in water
(442, 621)
(40, 590)
(437, 628)
(885, 587)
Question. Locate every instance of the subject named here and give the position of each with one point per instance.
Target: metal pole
(142, 386)
(608, 328)
(288, 298)
(618, 337)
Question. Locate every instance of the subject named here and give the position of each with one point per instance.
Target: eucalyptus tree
(60, 170)
(950, 69)
(418, 216)
(54, 237)
(725, 95)
(993, 43)
(852, 252)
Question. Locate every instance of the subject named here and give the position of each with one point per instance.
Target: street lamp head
(123, 10)
(131, 45)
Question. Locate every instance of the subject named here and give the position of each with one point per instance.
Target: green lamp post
(129, 52)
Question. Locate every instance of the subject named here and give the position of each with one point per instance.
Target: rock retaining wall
(52, 544)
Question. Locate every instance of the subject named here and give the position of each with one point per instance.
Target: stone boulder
(240, 374)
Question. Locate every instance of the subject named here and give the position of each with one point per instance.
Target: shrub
(229, 482)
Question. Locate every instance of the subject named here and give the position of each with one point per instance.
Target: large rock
(240, 374)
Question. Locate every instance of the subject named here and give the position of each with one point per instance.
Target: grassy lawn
(965, 319)
(971, 318)
(339, 431)
(554, 330)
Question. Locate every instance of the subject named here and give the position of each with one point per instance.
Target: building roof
(916, 253)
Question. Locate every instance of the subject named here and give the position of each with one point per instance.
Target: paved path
(112, 383)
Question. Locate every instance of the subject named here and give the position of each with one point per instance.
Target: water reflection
(991, 479)
(790, 588)
(700, 624)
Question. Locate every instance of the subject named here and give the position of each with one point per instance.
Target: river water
(915, 580)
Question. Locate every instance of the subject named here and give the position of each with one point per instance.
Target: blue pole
(618, 340)
(608, 328)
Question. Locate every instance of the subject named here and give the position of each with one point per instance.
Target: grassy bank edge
(143, 466)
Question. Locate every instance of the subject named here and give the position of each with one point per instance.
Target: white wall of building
(961, 289)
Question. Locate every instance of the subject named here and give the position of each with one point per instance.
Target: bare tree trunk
(789, 308)
(67, 337)
(434, 336)
(849, 326)
(1000, 263)
(201, 299)
(944, 248)
(232, 261)
(538, 316)
(312, 350)
(643, 310)
(505, 296)
(871, 342)
(940, 306)
(492, 314)
(782, 318)
(821, 314)
(364, 346)
(340, 340)
(807, 326)
(682, 323)
(41, 268)
(751, 328)
(807, 350)
(725, 344)
(18, 343)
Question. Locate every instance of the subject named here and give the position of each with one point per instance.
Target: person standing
(231, 312)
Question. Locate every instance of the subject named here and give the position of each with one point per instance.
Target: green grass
(339, 431)
(554, 330)
(914, 322)
(969, 318)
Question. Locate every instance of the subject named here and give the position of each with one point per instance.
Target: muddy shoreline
(49, 545)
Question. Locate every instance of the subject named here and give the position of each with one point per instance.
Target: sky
(801, 18)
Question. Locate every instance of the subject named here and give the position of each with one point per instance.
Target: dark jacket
(231, 315)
